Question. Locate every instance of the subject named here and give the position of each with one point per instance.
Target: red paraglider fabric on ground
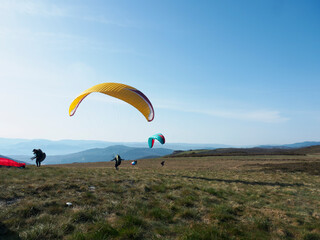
(10, 163)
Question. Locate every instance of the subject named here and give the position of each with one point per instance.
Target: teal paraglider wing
(158, 137)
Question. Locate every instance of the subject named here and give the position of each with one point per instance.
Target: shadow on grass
(6, 233)
(273, 184)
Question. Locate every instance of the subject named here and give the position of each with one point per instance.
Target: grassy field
(244, 197)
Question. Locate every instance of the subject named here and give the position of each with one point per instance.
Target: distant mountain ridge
(9, 146)
(24, 146)
(68, 151)
(102, 155)
(292, 145)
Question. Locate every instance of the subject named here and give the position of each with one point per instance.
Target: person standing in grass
(39, 156)
(118, 161)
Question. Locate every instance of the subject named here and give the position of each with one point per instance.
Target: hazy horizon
(145, 142)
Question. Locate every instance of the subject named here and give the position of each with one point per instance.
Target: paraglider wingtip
(71, 113)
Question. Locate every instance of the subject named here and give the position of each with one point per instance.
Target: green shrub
(312, 236)
(161, 188)
(128, 221)
(42, 231)
(218, 193)
(190, 214)
(203, 232)
(160, 214)
(131, 233)
(83, 217)
(29, 211)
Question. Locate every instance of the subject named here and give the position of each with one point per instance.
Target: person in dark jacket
(118, 159)
(39, 156)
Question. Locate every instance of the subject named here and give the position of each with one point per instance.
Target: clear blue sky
(230, 72)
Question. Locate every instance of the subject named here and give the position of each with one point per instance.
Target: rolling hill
(60, 147)
(247, 152)
(101, 155)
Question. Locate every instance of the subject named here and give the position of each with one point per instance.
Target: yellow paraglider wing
(124, 92)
